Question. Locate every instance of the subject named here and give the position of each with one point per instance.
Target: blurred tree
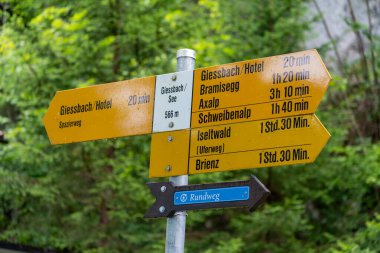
(359, 93)
(91, 197)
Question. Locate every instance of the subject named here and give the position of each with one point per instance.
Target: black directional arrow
(171, 199)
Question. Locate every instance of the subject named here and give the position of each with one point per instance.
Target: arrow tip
(259, 193)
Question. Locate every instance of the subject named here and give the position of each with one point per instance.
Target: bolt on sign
(255, 113)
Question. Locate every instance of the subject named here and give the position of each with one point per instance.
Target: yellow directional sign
(265, 143)
(254, 113)
(262, 143)
(101, 111)
(272, 87)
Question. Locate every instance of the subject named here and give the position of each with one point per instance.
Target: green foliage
(366, 240)
(233, 245)
(91, 197)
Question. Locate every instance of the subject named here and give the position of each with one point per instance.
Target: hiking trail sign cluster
(255, 113)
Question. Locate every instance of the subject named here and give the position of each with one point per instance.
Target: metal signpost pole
(176, 226)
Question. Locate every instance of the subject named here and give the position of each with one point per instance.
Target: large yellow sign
(272, 87)
(262, 143)
(265, 143)
(101, 111)
(254, 113)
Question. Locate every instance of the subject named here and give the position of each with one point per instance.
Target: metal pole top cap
(185, 52)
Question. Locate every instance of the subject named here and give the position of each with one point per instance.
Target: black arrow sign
(171, 199)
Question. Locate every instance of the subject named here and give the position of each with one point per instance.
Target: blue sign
(211, 195)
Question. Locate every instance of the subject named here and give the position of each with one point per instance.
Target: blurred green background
(91, 197)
